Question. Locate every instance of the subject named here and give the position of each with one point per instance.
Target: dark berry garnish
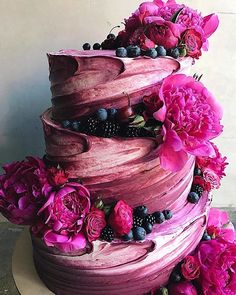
(96, 46)
(147, 226)
(206, 237)
(159, 217)
(151, 53)
(161, 51)
(175, 276)
(86, 46)
(193, 198)
(174, 52)
(168, 214)
(150, 219)
(109, 44)
(197, 171)
(121, 52)
(111, 113)
(139, 233)
(101, 114)
(137, 221)
(107, 234)
(128, 237)
(197, 189)
(133, 51)
(66, 124)
(75, 125)
(141, 211)
(108, 129)
(90, 125)
(111, 36)
(131, 132)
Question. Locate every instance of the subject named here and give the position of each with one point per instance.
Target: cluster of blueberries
(143, 222)
(196, 190)
(135, 51)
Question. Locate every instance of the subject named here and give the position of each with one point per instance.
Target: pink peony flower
(193, 41)
(190, 268)
(213, 167)
(22, 189)
(182, 288)
(191, 118)
(121, 218)
(217, 267)
(162, 32)
(94, 223)
(64, 213)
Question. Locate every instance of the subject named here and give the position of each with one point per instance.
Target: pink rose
(94, 223)
(57, 177)
(162, 32)
(190, 268)
(213, 167)
(182, 288)
(121, 218)
(22, 189)
(193, 41)
(191, 118)
(64, 213)
(217, 267)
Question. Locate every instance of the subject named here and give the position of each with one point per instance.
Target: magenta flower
(64, 213)
(182, 288)
(191, 117)
(22, 190)
(213, 168)
(217, 267)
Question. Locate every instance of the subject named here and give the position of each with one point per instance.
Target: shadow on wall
(21, 128)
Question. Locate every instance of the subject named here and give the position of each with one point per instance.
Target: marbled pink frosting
(116, 168)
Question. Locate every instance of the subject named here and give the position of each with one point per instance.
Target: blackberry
(150, 219)
(197, 189)
(107, 234)
(137, 221)
(136, 132)
(108, 129)
(90, 125)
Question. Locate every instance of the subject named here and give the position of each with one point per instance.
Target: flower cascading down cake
(120, 203)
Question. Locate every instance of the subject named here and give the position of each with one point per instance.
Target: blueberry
(121, 52)
(161, 51)
(168, 214)
(66, 124)
(193, 197)
(139, 233)
(86, 46)
(206, 237)
(141, 211)
(128, 237)
(151, 53)
(197, 171)
(175, 276)
(147, 226)
(111, 36)
(76, 125)
(174, 53)
(102, 114)
(111, 113)
(133, 51)
(159, 217)
(96, 46)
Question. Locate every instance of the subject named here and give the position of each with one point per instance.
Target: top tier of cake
(83, 81)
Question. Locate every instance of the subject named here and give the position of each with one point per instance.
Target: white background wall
(30, 28)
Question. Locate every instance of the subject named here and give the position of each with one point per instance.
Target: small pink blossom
(182, 288)
(191, 117)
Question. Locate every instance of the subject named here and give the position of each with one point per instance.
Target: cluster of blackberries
(196, 189)
(143, 222)
(104, 123)
(135, 51)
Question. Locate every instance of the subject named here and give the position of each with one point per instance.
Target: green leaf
(138, 122)
(176, 15)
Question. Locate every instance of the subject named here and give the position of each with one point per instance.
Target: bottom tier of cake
(130, 268)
